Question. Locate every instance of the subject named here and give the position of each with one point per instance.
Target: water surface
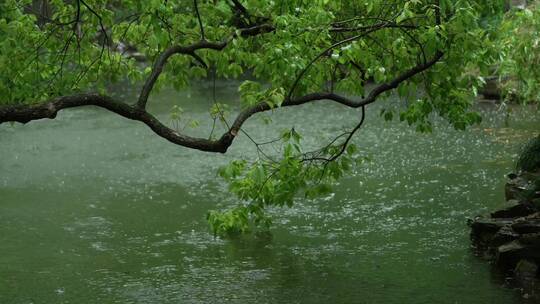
(95, 208)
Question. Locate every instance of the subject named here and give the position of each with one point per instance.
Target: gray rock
(514, 188)
(517, 210)
(530, 239)
(536, 203)
(526, 275)
(490, 224)
(483, 230)
(523, 226)
(503, 236)
(526, 269)
(508, 255)
(520, 184)
(534, 216)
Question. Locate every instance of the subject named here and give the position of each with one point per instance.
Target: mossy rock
(529, 158)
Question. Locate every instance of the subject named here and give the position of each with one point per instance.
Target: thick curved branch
(26, 113)
(161, 61)
(372, 97)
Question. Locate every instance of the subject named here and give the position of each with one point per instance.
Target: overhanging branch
(372, 97)
(26, 113)
(162, 59)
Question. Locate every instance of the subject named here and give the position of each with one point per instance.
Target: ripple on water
(132, 207)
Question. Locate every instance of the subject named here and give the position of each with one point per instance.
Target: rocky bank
(510, 237)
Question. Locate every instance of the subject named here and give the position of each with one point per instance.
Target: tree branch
(27, 113)
(369, 30)
(369, 27)
(372, 97)
(161, 61)
(199, 18)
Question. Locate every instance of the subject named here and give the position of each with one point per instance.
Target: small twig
(199, 18)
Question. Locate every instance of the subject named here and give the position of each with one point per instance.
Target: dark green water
(96, 209)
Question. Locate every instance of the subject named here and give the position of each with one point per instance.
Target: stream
(95, 208)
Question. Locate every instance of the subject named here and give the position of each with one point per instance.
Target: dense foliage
(518, 41)
(292, 51)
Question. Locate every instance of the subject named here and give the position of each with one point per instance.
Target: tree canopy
(60, 54)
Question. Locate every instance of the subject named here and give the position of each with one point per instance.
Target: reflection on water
(96, 209)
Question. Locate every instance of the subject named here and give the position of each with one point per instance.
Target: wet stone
(523, 226)
(503, 236)
(514, 188)
(526, 269)
(512, 235)
(531, 239)
(518, 210)
(483, 230)
(526, 275)
(509, 254)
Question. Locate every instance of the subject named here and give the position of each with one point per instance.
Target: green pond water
(95, 208)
